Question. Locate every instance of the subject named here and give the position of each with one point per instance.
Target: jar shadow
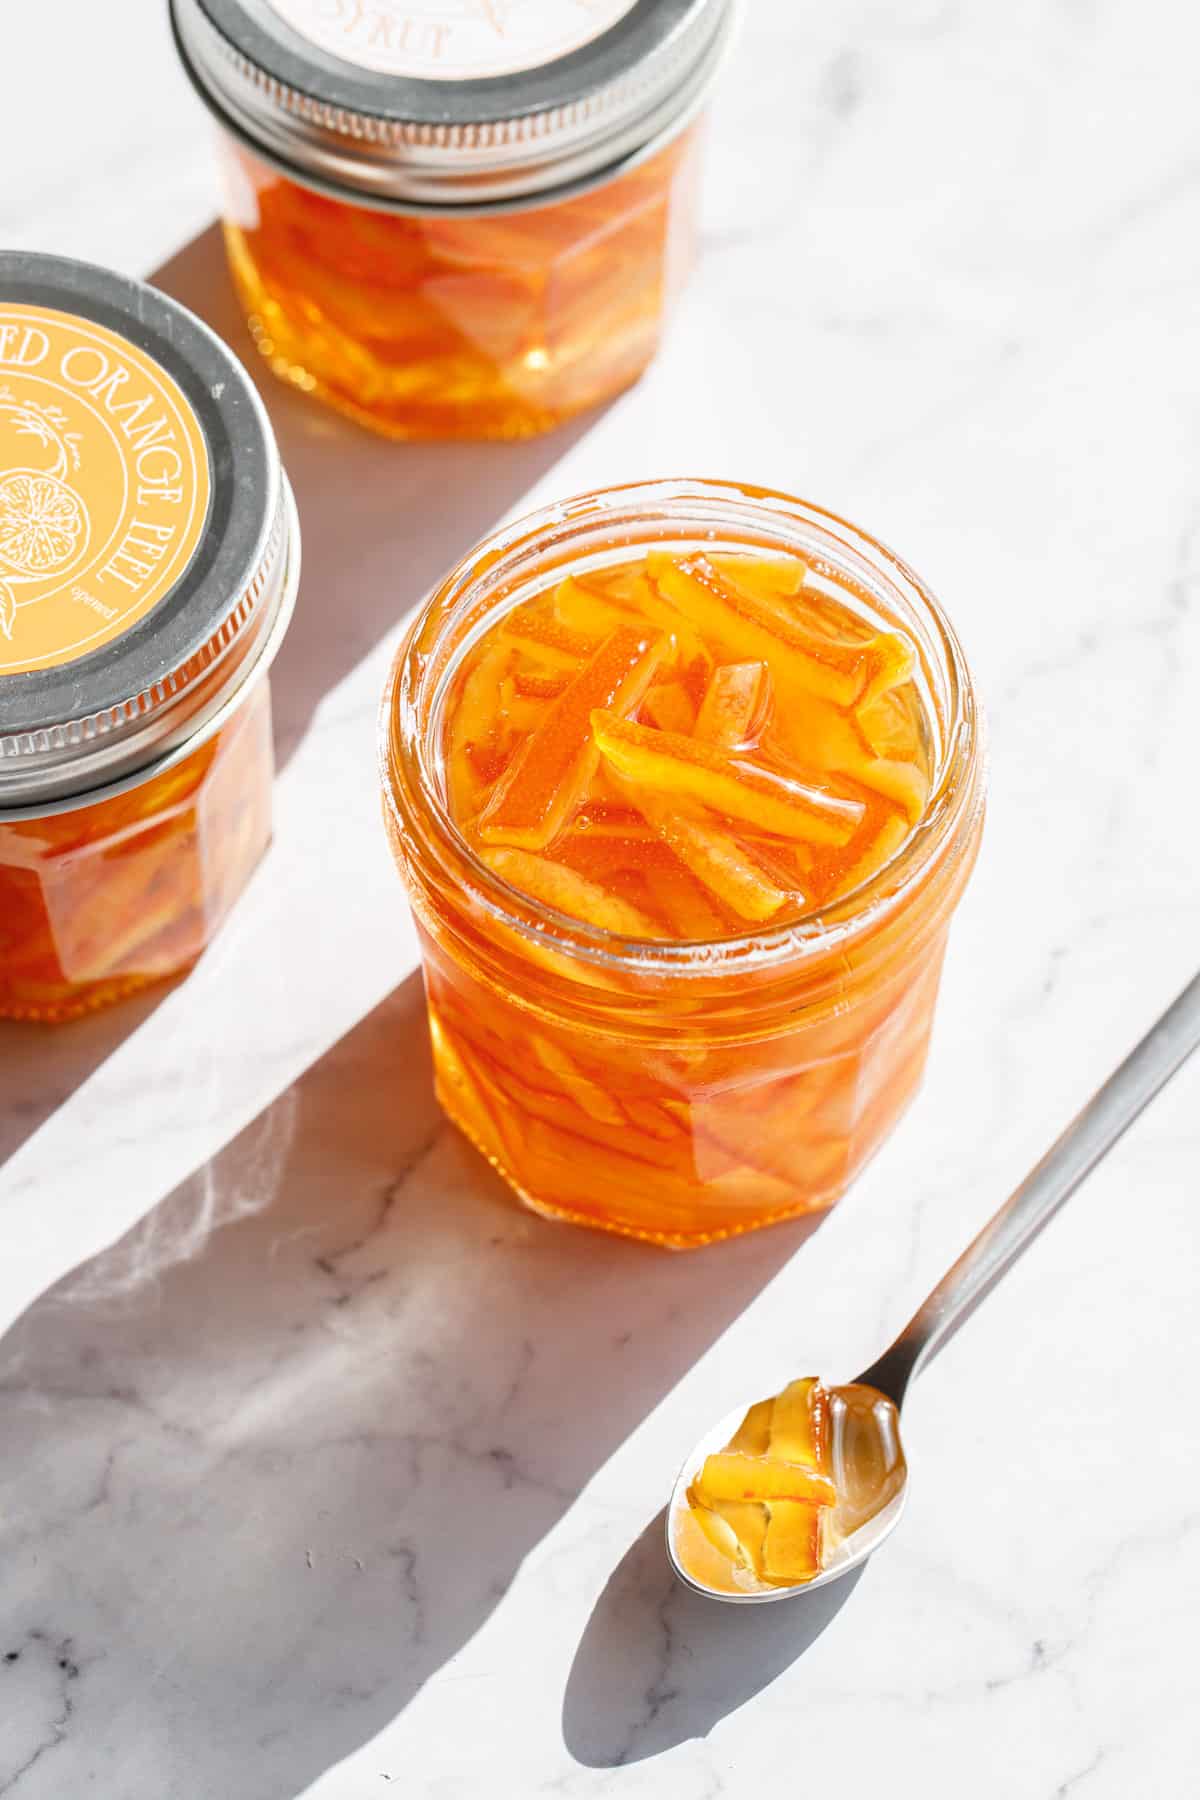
(658, 1664)
(381, 522)
(43, 1065)
(308, 1417)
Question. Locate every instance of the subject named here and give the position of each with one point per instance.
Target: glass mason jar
(456, 221)
(676, 1092)
(149, 554)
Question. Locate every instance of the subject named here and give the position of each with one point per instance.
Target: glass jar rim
(412, 790)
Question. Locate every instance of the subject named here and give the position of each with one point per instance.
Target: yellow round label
(104, 486)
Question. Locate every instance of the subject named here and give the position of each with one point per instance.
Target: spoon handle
(1089, 1136)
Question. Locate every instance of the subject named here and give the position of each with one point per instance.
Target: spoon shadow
(658, 1664)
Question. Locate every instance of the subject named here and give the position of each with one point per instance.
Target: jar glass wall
(100, 899)
(671, 1091)
(428, 325)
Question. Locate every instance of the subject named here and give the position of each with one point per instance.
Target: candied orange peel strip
(542, 785)
(798, 1424)
(753, 1435)
(749, 619)
(635, 590)
(791, 1548)
(882, 847)
(751, 628)
(738, 1529)
(888, 727)
(473, 723)
(826, 739)
(762, 576)
(888, 660)
(735, 696)
(552, 644)
(716, 860)
(533, 685)
(557, 886)
(720, 1532)
(732, 1475)
(902, 782)
(581, 609)
(670, 765)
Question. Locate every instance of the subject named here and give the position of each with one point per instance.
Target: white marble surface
(322, 1471)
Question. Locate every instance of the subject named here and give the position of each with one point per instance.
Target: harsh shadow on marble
(658, 1665)
(41, 1066)
(284, 1447)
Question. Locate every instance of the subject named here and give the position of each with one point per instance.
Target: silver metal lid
(103, 383)
(389, 101)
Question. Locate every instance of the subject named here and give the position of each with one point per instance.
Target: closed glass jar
(469, 223)
(678, 1092)
(149, 554)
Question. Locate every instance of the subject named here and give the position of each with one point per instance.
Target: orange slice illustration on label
(41, 522)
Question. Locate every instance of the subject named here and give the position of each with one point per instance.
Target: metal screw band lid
(351, 94)
(144, 527)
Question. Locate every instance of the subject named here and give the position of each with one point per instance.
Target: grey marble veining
(326, 1473)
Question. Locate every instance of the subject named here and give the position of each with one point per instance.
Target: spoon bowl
(871, 1475)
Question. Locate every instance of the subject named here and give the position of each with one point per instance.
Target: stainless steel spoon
(1075, 1154)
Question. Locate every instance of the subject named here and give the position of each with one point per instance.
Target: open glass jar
(676, 1091)
(456, 220)
(149, 554)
